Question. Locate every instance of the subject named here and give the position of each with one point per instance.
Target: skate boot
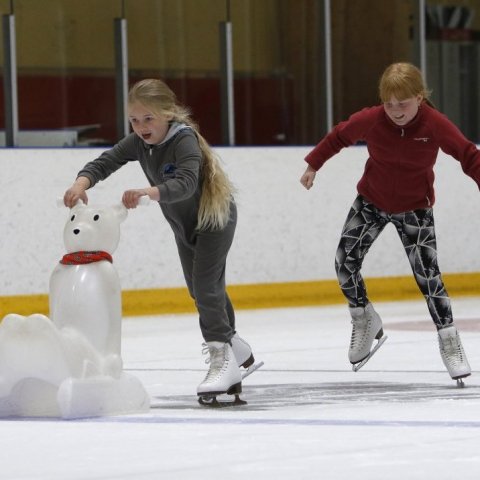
(366, 327)
(243, 353)
(453, 355)
(223, 376)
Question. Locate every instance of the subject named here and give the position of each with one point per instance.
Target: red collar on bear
(82, 258)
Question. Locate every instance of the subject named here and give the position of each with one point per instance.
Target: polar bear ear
(79, 205)
(120, 211)
(61, 203)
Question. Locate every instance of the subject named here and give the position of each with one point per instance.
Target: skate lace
(205, 351)
(453, 351)
(216, 359)
(359, 328)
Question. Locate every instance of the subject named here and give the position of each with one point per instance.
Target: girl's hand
(308, 177)
(77, 192)
(131, 198)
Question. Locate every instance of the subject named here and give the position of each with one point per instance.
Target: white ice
(308, 415)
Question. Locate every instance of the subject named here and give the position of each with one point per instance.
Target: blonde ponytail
(217, 191)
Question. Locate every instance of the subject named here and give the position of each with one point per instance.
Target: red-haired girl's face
(402, 112)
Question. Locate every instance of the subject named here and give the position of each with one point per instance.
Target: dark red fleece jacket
(398, 175)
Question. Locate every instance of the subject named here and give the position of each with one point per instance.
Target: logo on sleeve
(169, 171)
(422, 139)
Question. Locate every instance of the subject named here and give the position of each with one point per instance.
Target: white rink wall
(284, 233)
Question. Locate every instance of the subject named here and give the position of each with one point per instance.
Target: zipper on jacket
(403, 133)
(428, 201)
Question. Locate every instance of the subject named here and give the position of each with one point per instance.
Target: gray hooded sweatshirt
(173, 166)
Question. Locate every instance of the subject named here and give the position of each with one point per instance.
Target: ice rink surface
(308, 415)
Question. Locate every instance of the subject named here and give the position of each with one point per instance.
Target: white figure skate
(223, 376)
(453, 355)
(366, 327)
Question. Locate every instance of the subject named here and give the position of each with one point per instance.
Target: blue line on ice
(293, 422)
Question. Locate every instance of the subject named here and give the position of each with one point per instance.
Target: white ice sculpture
(70, 366)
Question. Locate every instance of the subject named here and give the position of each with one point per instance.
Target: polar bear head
(93, 228)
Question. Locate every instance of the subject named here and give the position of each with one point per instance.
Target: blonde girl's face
(151, 127)
(403, 111)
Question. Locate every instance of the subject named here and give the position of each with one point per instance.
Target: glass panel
(4, 10)
(362, 48)
(66, 77)
(278, 57)
(178, 41)
(453, 61)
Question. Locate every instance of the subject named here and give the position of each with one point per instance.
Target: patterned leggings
(416, 229)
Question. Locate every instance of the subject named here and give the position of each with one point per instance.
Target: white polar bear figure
(85, 291)
(71, 366)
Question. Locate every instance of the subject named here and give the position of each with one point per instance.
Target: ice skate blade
(251, 369)
(459, 380)
(213, 402)
(357, 366)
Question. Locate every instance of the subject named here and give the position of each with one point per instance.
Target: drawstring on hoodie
(174, 128)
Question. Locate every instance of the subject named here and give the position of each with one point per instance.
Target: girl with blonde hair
(403, 136)
(196, 198)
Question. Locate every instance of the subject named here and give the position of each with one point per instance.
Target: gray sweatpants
(203, 267)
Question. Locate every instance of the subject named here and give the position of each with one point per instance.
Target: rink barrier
(257, 296)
